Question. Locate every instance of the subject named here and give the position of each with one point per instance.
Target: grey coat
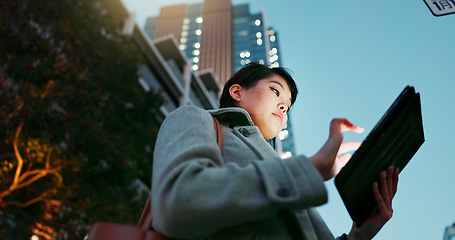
(244, 191)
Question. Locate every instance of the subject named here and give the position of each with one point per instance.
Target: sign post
(441, 7)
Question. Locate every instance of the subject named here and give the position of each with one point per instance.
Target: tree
(76, 127)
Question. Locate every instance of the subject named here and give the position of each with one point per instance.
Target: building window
(245, 54)
(186, 21)
(195, 67)
(272, 38)
(259, 42)
(196, 52)
(182, 46)
(195, 59)
(199, 20)
(258, 34)
(198, 32)
(197, 45)
(257, 22)
(286, 155)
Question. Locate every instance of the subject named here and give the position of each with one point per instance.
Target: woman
(245, 191)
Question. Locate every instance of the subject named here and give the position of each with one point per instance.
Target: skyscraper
(450, 233)
(216, 35)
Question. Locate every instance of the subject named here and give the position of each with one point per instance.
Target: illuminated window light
(286, 155)
(261, 61)
(273, 51)
(247, 54)
(183, 40)
(199, 20)
(182, 47)
(257, 22)
(186, 21)
(283, 134)
(259, 42)
(184, 33)
(258, 34)
(242, 54)
(185, 27)
(196, 52)
(195, 67)
(195, 59)
(198, 32)
(197, 45)
(272, 38)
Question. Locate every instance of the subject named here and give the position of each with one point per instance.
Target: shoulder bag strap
(146, 217)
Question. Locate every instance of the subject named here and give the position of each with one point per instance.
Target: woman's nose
(283, 108)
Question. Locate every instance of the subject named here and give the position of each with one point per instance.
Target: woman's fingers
(395, 181)
(348, 146)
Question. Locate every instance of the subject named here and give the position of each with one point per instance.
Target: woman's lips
(279, 116)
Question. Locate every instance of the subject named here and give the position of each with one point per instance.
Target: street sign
(441, 7)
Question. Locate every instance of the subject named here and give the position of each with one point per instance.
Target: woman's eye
(275, 91)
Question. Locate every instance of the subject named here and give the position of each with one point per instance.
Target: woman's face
(267, 103)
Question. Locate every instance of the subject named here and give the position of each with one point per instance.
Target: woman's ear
(236, 92)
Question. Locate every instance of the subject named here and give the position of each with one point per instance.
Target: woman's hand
(327, 160)
(384, 195)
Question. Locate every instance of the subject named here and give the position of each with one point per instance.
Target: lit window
(195, 67)
(183, 40)
(259, 42)
(195, 59)
(199, 20)
(247, 61)
(185, 27)
(275, 64)
(258, 34)
(272, 38)
(242, 62)
(242, 33)
(257, 22)
(273, 51)
(261, 61)
(286, 155)
(184, 33)
(198, 32)
(274, 58)
(283, 134)
(271, 32)
(197, 45)
(186, 21)
(196, 52)
(242, 54)
(247, 54)
(182, 46)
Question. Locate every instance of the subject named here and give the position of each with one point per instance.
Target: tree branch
(30, 202)
(20, 161)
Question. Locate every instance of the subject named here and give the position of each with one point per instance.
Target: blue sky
(351, 59)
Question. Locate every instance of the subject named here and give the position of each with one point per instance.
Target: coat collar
(232, 116)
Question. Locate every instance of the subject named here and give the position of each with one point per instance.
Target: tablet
(392, 142)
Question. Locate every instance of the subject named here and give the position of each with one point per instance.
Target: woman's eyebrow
(281, 85)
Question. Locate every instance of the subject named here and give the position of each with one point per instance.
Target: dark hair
(250, 75)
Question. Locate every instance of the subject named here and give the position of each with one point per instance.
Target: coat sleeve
(194, 194)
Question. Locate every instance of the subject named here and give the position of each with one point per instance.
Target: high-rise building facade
(450, 233)
(216, 35)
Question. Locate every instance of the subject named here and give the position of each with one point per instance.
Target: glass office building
(450, 233)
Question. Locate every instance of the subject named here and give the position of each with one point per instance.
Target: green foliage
(70, 77)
